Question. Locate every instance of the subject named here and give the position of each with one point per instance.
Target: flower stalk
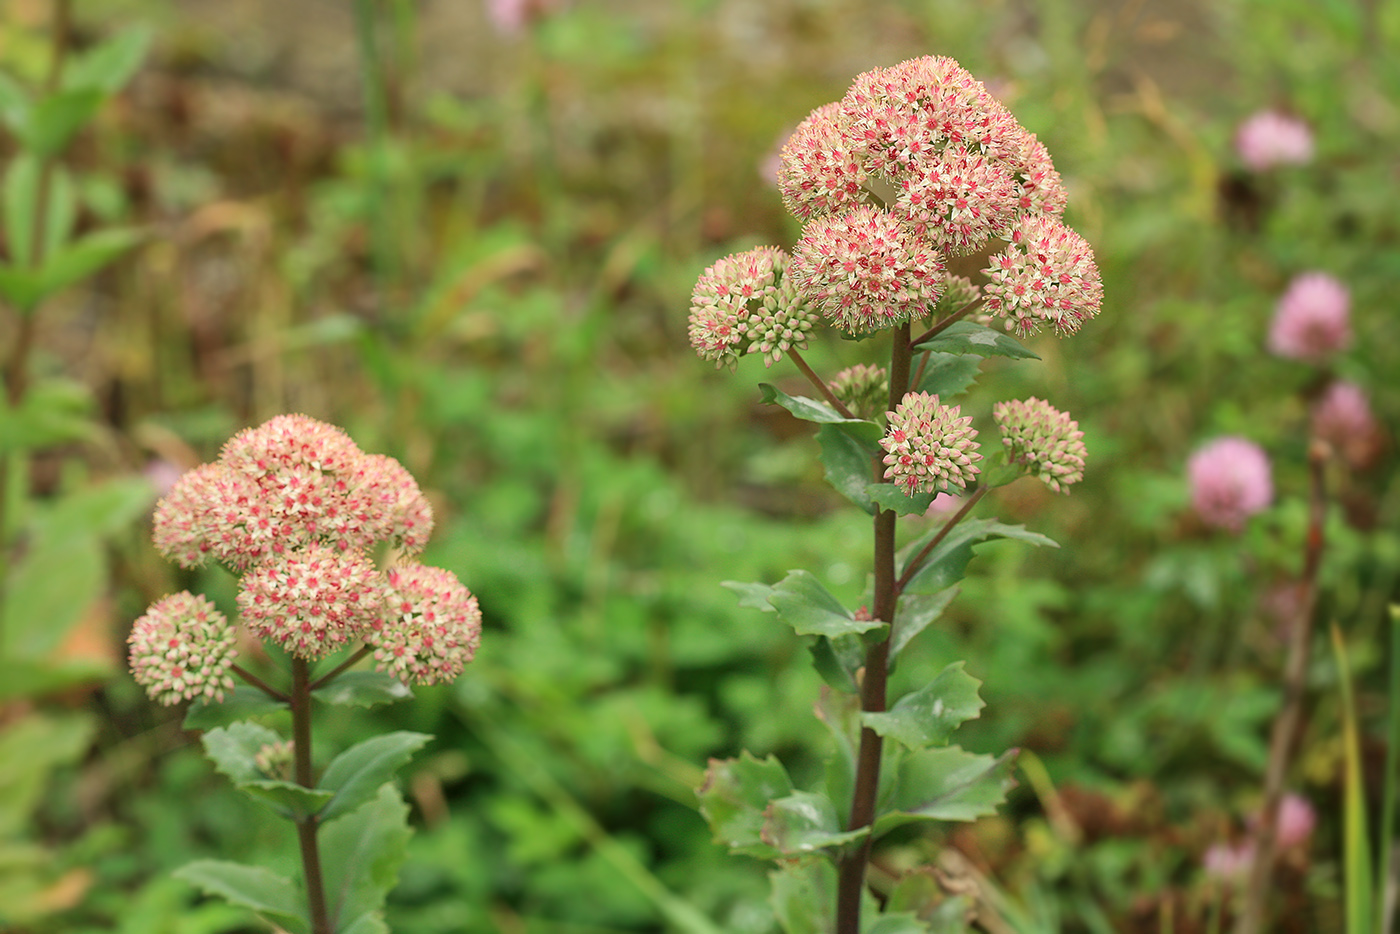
(307, 825)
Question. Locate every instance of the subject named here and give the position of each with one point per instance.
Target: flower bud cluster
(432, 627)
(863, 389)
(928, 446)
(295, 508)
(182, 649)
(1042, 439)
(1046, 277)
(744, 304)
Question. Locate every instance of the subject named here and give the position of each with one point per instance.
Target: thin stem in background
(941, 326)
(1285, 729)
(1385, 908)
(873, 687)
(307, 826)
(819, 383)
(260, 684)
(912, 567)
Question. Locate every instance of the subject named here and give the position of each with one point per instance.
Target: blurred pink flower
(1230, 481)
(1296, 820)
(510, 17)
(1342, 417)
(162, 474)
(1229, 862)
(1270, 138)
(1312, 320)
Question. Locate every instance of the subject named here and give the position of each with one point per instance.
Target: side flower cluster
(295, 509)
(744, 304)
(928, 446)
(1043, 440)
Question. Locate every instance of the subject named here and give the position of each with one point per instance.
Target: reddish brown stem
(335, 672)
(819, 383)
(307, 826)
(260, 684)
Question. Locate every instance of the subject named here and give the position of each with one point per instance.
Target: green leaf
(244, 702)
(734, 797)
(810, 609)
(848, 465)
(356, 775)
(49, 591)
(34, 678)
(914, 613)
(752, 596)
(103, 510)
(894, 923)
(928, 716)
(233, 750)
(837, 661)
(372, 923)
(948, 375)
(804, 822)
(54, 411)
(947, 564)
(890, 496)
(21, 206)
(14, 103)
(363, 689)
(804, 896)
(31, 748)
(55, 119)
(362, 853)
(292, 801)
(109, 66)
(965, 337)
(840, 714)
(271, 896)
(84, 257)
(945, 784)
(810, 410)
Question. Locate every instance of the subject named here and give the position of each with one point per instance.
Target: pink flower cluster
(928, 446)
(1269, 139)
(1230, 480)
(295, 508)
(1312, 320)
(1231, 862)
(745, 297)
(432, 626)
(916, 163)
(1047, 276)
(1342, 417)
(181, 649)
(1042, 439)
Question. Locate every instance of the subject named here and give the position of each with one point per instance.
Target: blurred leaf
(52, 412)
(913, 614)
(85, 256)
(362, 852)
(35, 678)
(735, 796)
(928, 716)
(21, 205)
(48, 592)
(356, 775)
(31, 747)
(848, 465)
(948, 375)
(53, 121)
(14, 102)
(242, 703)
(810, 609)
(811, 410)
(752, 596)
(271, 896)
(1357, 868)
(945, 784)
(365, 924)
(840, 714)
(890, 496)
(804, 896)
(803, 823)
(101, 510)
(947, 563)
(109, 66)
(363, 689)
(899, 923)
(965, 337)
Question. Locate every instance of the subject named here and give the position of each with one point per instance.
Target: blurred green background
(472, 244)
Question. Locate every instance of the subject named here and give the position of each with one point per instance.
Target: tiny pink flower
(1230, 481)
(865, 270)
(1312, 320)
(1342, 417)
(1039, 187)
(959, 201)
(313, 601)
(431, 627)
(510, 17)
(1047, 276)
(1296, 821)
(928, 446)
(182, 649)
(1043, 440)
(1229, 863)
(1269, 139)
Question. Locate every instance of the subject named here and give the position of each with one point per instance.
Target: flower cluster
(928, 446)
(1230, 481)
(1269, 138)
(1042, 439)
(1312, 320)
(181, 649)
(295, 508)
(1047, 276)
(1342, 417)
(432, 626)
(863, 389)
(746, 297)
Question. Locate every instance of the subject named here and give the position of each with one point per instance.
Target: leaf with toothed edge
(810, 410)
(965, 337)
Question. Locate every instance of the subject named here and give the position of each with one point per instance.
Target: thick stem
(819, 383)
(1285, 730)
(307, 826)
(873, 687)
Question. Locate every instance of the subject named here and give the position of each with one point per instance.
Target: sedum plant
(916, 166)
(298, 512)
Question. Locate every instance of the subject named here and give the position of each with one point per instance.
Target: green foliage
(965, 337)
(356, 774)
(263, 891)
(364, 849)
(234, 749)
(362, 689)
